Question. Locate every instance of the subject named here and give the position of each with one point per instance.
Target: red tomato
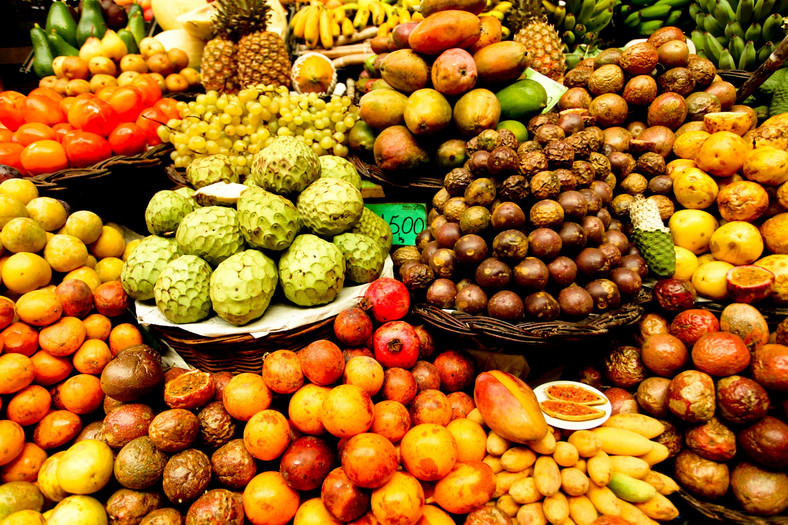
(66, 104)
(46, 92)
(106, 92)
(127, 101)
(93, 115)
(84, 149)
(9, 155)
(61, 130)
(128, 139)
(151, 90)
(44, 156)
(150, 119)
(168, 106)
(39, 108)
(5, 135)
(12, 109)
(31, 132)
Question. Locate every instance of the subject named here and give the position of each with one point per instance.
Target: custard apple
(285, 166)
(142, 268)
(364, 257)
(165, 211)
(268, 221)
(372, 225)
(211, 232)
(188, 192)
(242, 286)
(219, 194)
(182, 291)
(210, 169)
(339, 168)
(330, 206)
(311, 271)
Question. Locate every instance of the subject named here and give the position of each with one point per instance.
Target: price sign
(407, 220)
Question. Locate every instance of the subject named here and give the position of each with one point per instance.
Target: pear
(91, 48)
(57, 66)
(112, 46)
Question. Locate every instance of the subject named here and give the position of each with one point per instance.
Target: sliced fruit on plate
(568, 411)
(574, 394)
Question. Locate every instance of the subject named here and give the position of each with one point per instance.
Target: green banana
(726, 60)
(699, 18)
(633, 19)
(572, 6)
(560, 14)
(724, 13)
(639, 3)
(697, 38)
(753, 32)
(601, 7)
(590, 37)
(600, 21)
(674, 17)
(648, 27)
(586, 10)
(734, 4)
(711, 25)
(765, 51)
(569, 21)
(744, 12)
(762, 9)
(625, 9)
(782, 6)
(655, 11)
(713, 47)
(568, 37)
(736, 46)
(549, 7)
(737, 29)
(748, 56)
(772, 28)
(694, 9)
(675, 3)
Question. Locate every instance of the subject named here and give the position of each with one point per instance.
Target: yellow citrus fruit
(709, 280)
(695, 189)
(23, 234)
(22, 190)
(40, 307)
(10, 208)
(679, 166)
(84, 225)
(48, 212)
(766, 165)
(24, 272)
(688, 144)
(722, 154)
(65, 252)
(24, 517)
(737, 242)
(686, 263)
(88, 275)
(692, 229)
(108, 269)
(130, 248)
(109, 244)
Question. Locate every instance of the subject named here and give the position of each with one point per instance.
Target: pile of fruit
(225, 233)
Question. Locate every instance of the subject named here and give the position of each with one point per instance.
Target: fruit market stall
(395, 262)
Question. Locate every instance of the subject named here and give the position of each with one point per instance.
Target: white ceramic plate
(607, 408)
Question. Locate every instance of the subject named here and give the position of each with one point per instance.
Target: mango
(509, 406)
(454, 72)
(383, 108)
(405, 70)
(491, 33)
(630, 489)
(401, 34)
(474, 112)
(396, 150)
(427, 112)
(19, 495)
(501, 62)
(429, 7)
(522, 100)
(659, 508)
(444, 30)
(631, 466)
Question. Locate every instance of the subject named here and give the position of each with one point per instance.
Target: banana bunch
(388, 16)
(580, 21)
(738, 34)
(499, 10)
(643, 17)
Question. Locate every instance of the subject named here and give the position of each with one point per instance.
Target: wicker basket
(425, 185)
(726, 515)
(541, 334)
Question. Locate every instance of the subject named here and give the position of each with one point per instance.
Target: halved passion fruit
(190, 390)
(749, 283)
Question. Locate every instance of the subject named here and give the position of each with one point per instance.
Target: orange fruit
(39, 307)
(369, 460)
(322, 362)
(664, 354)
(428, 451)
(399, 501)
(12, 441)
(282, 372)
(20, 338)
(313, 512)
(82, 394)
(56, 429)
(267, 435)
(364, 372)
(123, 336)
(461, 404)
(92, 357)
(306, 407)
(430, 406)
(50, 369)
(245, 395)
(63, 337)
(467, 486)
(742, 201)
(29, 405)
(470, 437)
(268, 500)
(391, 420)
(720, 354)
(347, 411)
(97, 326)
(25, 466)
(16, 372)
(399, 385)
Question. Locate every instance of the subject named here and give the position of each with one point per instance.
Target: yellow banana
(361, 19)
(336, 28)
(383, 29)
(347, 27)
(299, 21)
(312, 29)
(503, 6)
(338, 14)
(403, 14)
(378, 13)
(416, 17)
(326, 34)
(495, 14)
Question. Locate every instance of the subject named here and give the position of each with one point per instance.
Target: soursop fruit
(311, 271)
(339, 168)
(285, 166)
(219, 194)
(330, 206)
(268, 221)
(364, 257)
(242, 286)
(211, 232)
(165, 211)
(141, 270)
(209, 170)
(182, 291)
(372, 225)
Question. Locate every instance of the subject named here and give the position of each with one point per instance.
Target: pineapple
(541, 40)
(218, 61)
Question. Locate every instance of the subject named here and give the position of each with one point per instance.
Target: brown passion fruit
(639, 59)
(621, 401)
(594, 228)
(544, 243)
(233, 466)
(441, 293)
(506, 306)
(702, 69)
(608, 78)
(531, 274)
(677, 80)
(545, 185)
(758, 491)
(592, 263)
(700, 476)
(514, 188)
(666, 34)
(621, 164)
(609, 109)
(563, 271)
(605, 294)
(629, 283)
(541, 306)
(674, 53)
(186, 476)
(661, 137)
(571, 122)
(741, 400)
(471, 300)
(608, 56)
(493, 274)
(583, 171)
(575, 98)
(652, 396)
(574, 204)
(456, 181)
(640, 90)
(636, 263)
(510, 245)
(668, 109)
(546, 213)
(766, 442)
(475, 219)
(691, 396)
(506, 216)
(448, 234)
(575, 302)
(624, 367)
(618, 138)
(725, 93)
(712, 440)
(503, 160)
(470, 249)
(442, 262)
(573, 237)
(700, 103)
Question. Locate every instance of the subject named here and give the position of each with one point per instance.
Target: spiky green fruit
(330, 206)
(211, 232)
(311, 271)
(364, 257)
(209, 170)
(242, 286)
(285, 166)
(165, 211)
(219, 194)
(141, 270)
(372, 225)
(182, 291)
(651, 237)
(339, 168)
(268, 221)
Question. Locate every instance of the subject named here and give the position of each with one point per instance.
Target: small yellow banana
(326, 34)
(503, 6)
(378, 13)
(361, 19)
(299, 21)
(495, 14)
(338, 14)
(312, 29)
(403, 14)
(505, 32)
(347, 27)
(416, 17)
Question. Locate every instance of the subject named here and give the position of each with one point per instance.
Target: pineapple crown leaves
(644, 214)
(523, 12)
(236, 18)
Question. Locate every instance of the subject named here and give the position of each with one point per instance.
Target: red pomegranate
(353, 327)
(396, 344)
(389, 299)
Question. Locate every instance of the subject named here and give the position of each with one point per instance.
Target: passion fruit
(749, 284)
(575, 97)
(640, 90)
(609, 109)
(608, 78)
(542, 306)
(677, 80)
(639, 59)
(674, 53)
(668, 109)
(675, 294)
(506, 306)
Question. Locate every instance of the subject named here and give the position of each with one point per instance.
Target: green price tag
(407, 220)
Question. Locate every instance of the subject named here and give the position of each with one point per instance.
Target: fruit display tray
(726, 515)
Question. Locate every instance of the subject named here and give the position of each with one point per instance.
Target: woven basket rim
(728, 515)
(374, 173)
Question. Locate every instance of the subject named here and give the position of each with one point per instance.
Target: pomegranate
(396, 344)
(457, 370)
(389, 300)
(353, 327)
(426, 342)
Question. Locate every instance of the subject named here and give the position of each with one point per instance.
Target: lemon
(11, 208)
(24, 272)
(23, 234)
(48, 212)
(692, 229)
(709, 280)
(108, 269)
(22, 190)
(516, 127)
(695, 189)
(737, 242)
(65, 252)
(84, 225)
(686, 263)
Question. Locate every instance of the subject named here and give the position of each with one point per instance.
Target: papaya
(522, 100)
(501, 62)
(444, 30)
(430, 7)
(747, 322)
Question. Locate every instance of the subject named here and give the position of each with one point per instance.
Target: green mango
(522, 100)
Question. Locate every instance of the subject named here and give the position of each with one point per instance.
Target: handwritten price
(406, 220)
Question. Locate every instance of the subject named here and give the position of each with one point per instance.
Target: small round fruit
(692, 229)
(710, 280)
